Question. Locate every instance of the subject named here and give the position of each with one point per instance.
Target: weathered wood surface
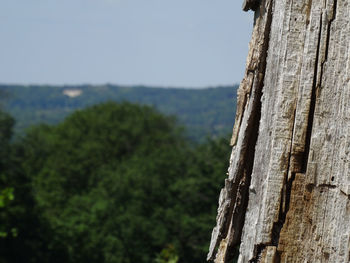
(287, 196)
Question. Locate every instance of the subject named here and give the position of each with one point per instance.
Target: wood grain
(287, 196)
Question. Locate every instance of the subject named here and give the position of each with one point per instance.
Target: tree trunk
(287, 195)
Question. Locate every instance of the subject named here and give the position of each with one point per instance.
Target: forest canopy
(115, 182)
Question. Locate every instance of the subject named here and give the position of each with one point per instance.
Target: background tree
(112, 183)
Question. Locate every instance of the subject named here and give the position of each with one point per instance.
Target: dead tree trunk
(287, 195)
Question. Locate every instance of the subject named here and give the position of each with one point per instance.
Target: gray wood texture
(287, 195)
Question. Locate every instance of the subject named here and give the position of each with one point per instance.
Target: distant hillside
(204, 112)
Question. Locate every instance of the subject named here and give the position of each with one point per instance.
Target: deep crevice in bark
(312, 104)
(243, 191)
(317, 86)
(258, 250)
(241, 196)
(329, 31)
(285, 196)
(285, 200)
(327, 42)
(277, 227)
(250, 152)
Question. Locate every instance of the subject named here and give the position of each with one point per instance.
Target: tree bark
(287, 195)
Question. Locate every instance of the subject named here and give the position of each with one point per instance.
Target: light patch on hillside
(72, 93)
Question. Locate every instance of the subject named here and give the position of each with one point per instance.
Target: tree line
(206, 112)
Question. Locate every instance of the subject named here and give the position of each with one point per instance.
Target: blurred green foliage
(6, 192)
(6, 195)
(167, 255)
(205, 112)
(116, 183)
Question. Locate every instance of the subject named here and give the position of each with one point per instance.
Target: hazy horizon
(76, 85)
(158, 43)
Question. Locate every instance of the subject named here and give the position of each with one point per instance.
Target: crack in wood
(277, 227)
(312, 104)
(317, 86)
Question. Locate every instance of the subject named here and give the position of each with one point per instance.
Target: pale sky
(181, 43)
